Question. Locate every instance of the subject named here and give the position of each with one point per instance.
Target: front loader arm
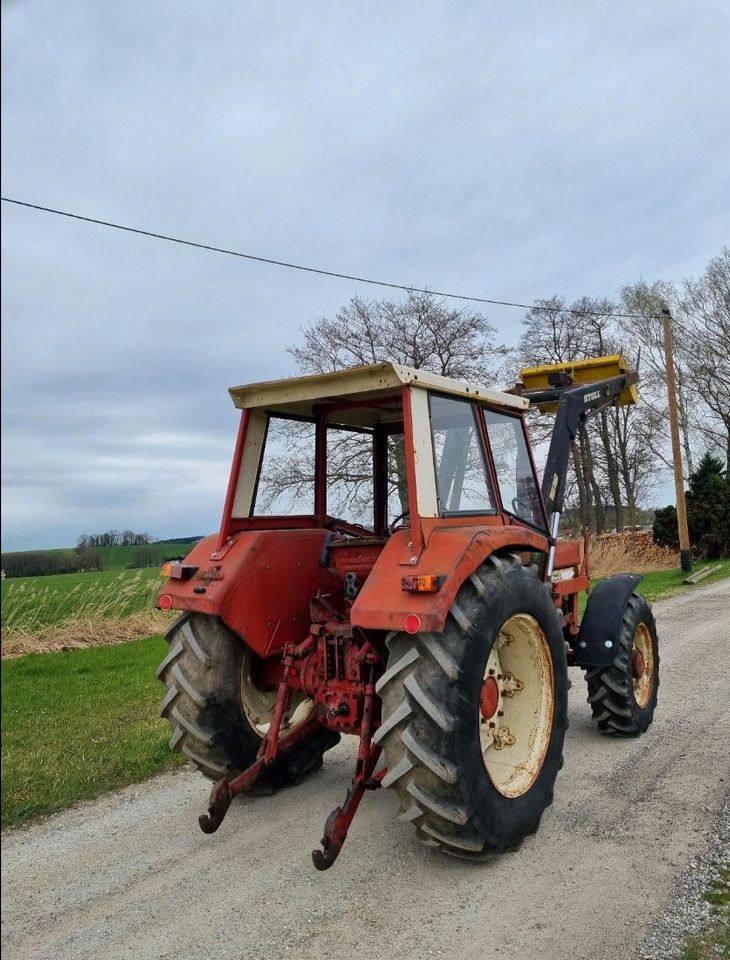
(575, 406)
(576, 392)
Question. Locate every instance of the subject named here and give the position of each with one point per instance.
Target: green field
(78, 723)
(119, 557)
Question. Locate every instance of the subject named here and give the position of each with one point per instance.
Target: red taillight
(165, 601)
(411, 623)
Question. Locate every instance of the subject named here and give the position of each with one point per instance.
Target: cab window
(286, 475)
(462, 483)
(517, 485)
(350, 476)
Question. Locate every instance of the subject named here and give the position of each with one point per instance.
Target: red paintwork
(233, 478)
(638, 664)
(261, 588)
(567, 554)
(450, 551)
(356, 556)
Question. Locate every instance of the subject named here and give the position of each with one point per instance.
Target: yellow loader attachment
(577, 372)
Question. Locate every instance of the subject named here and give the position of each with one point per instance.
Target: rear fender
(259, 583)
(601, 623)
(451, 552)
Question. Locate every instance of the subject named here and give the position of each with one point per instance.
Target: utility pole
(684, 549)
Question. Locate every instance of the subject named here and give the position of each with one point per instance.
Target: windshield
(517, 485)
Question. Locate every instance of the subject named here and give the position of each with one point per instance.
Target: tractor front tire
(623, 695)
(474, 718)
(204, 705)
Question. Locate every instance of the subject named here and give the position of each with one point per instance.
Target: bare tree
(645, 330)
(705, 302)
(555, 332)
(419, 331)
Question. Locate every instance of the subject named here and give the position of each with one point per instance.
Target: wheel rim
(642, 664)
(515, 736)
(258, 704)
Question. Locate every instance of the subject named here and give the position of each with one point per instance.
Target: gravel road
(132, 876)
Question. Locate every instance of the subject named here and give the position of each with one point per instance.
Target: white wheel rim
(515, 738)
(642, 646)
(258, 704)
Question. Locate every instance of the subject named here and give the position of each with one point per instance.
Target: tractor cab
(367, 452)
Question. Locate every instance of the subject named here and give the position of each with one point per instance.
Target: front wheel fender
(601, 623)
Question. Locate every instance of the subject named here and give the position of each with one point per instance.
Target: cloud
(501, 151)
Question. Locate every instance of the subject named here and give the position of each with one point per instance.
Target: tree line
(42, 563)
(113, 538)
(708, 512)
(84, 557)
(620, 456)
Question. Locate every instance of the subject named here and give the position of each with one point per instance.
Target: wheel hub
(258, 702)
(489, 699)
(638, 664)
(642, 665)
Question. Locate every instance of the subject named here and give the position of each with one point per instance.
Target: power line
(317, 270)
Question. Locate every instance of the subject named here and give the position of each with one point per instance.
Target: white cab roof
(297, 396)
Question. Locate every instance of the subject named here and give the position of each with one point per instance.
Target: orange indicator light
(423, 584)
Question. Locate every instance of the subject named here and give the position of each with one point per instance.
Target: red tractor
(436, 622)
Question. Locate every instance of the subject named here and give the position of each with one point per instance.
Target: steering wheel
(401, 516)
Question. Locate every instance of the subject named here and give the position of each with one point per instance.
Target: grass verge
(665, 583)
(660, 584)
(714, 940)
(79, 723)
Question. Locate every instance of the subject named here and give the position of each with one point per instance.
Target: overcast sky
(508, 150)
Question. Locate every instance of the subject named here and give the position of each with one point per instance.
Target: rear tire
(621, 702)
(460, 796)
(202, 672)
